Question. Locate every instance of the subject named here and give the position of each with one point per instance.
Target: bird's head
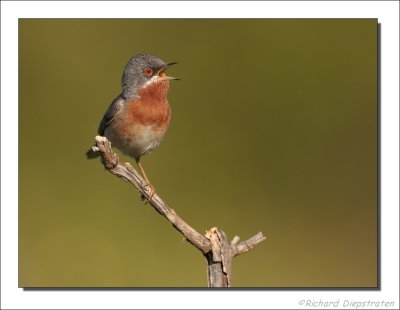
(143, 70)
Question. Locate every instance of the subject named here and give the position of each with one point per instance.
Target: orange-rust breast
(152, 108)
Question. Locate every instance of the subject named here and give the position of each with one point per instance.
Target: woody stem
(214, 245)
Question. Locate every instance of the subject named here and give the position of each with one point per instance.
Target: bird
(137, 119)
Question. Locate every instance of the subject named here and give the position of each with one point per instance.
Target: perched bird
(137, 120)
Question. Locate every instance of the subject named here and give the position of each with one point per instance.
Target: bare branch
(214, 245)
(128, 173)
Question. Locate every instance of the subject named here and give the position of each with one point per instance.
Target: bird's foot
(149, 190)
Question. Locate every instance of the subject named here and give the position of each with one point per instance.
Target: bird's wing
(114, 108)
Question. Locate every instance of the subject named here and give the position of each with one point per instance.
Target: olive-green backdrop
(274, 129)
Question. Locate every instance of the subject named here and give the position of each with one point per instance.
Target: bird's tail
(91, 154)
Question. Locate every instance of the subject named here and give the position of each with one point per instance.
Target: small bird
(137, 120)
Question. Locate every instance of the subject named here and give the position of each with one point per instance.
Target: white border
(14, 298)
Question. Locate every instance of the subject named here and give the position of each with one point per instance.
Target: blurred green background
(274, 129)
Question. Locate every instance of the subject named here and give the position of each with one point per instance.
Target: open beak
(162, 76)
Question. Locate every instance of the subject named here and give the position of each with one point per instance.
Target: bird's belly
(136, 140)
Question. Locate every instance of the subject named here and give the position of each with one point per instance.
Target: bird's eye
(148, 72)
